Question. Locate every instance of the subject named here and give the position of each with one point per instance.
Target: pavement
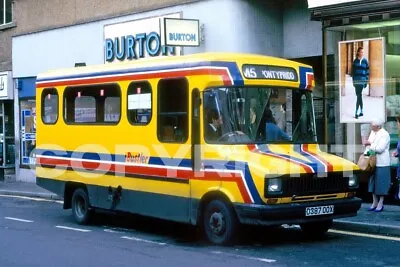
(386, 222)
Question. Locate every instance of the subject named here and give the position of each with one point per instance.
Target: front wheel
(316, 229)
(220, 223)
(80, 206)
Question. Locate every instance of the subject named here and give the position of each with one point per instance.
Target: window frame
(111, 123)
(4, 4)
(151, 99)
(42, 107)
(183, 79)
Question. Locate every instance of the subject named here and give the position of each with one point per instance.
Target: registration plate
(320, 210)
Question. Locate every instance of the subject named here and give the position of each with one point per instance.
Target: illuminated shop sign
(181, 32)
(6, 85)
(320, 3)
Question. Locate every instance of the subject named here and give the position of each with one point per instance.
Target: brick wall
(37, 15)
(5, 48)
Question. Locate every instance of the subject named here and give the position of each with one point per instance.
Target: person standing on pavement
(396, 154)
(379, 183)
(360, 75)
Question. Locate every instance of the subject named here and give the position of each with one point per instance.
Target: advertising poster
(362, 80)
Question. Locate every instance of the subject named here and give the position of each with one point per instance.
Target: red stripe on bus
(164, 171)
(324, 161)
(307, 168)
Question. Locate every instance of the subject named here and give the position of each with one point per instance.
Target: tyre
(316, 229)
(80, 206)
(220, 223)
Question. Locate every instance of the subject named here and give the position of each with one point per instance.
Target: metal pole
(325, 81)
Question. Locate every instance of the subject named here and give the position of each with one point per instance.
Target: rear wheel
(316, 229)
(80, 206)
(220, 223)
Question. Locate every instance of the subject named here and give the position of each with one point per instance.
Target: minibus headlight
(274, 186)
(353, 181)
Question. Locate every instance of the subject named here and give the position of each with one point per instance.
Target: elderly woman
(379, 184)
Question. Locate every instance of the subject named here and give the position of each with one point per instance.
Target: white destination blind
(268, 72)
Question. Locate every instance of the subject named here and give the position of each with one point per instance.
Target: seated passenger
(272, 131)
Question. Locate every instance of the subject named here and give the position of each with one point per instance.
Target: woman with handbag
(379, 183)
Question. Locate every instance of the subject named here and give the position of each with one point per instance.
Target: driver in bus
(214, 125)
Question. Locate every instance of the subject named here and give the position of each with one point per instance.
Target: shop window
(139, 103)
(28, 131)
(97, 104)
(49, 106)
(172, 124)
(5, 11)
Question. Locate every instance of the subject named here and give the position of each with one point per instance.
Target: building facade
(68, 36)
(347, 27)
(7, 135)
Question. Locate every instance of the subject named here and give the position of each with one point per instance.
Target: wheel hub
(80, 208)
(217, 223)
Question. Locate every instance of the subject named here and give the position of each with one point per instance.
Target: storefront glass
(381, 93)
(28, 131)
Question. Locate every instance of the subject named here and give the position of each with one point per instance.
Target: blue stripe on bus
(303, 76)
(319, 167)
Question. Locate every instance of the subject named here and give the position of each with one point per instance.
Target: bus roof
(232, 62)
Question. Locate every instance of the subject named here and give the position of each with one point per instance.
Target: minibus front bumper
(295, 213)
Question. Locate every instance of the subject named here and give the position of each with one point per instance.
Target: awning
(353, 8)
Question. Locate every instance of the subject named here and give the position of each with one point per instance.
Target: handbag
(367, 163)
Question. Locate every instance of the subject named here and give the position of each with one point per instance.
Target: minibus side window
(95, 104)
(139, 103)
(49, 106)
(173, 109)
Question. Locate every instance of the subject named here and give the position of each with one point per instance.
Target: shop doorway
(7, 134)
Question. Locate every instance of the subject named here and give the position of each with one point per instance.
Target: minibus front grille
(310, 184)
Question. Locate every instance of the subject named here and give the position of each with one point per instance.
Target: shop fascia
(158, 36)
(125, 47)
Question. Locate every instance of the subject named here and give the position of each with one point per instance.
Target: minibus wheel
(80, 206)
(316, 229)
(220, 223)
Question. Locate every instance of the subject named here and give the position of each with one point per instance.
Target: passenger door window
(173, 107)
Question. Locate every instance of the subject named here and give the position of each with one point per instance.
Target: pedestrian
(379, 183)
(396, 154)
(360, 75)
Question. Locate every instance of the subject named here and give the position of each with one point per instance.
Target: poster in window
(362, 80)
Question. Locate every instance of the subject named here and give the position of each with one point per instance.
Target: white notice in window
(139, 101)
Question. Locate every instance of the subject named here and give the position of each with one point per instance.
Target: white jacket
(380, 142)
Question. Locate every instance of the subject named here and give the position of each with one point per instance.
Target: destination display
(268, 72)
